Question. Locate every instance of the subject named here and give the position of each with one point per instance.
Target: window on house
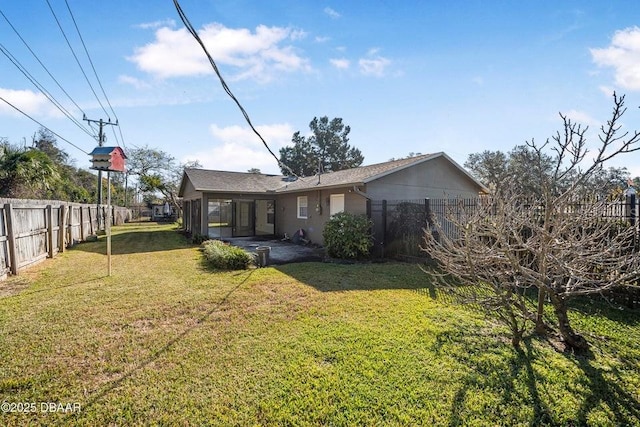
(302, 207)
(336, 204)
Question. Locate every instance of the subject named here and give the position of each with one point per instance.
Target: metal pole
(101, 124)
(108, 224)
(100, 142)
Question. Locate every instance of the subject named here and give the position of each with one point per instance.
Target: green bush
(198, 239)
(348, 236)
(226, 257)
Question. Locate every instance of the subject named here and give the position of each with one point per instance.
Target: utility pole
(101, 123)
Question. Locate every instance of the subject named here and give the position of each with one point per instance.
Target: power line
(76, 58)
(226, 88)
(40, 62)
(42, 89)
(62, 138)
(95, 72)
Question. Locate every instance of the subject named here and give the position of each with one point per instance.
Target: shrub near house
(348, 236)
(226, 257)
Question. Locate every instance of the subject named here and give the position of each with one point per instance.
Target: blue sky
(428, 76)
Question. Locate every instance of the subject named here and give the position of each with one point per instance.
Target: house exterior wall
(193, 202)
(190, 192)
(436, 178)
(287, 220)
(286, 215)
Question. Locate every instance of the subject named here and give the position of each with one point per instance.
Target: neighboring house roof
(241, 182)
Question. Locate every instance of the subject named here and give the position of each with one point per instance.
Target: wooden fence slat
(11, 238)
(63, 229)
(50, 230)
(28, 229)
(82, 235)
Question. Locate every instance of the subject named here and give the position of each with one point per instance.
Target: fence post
(70, 226)
(50, 230)
(384, 225)
(427, 212)
(92, 230)
(62, 229)
(630, 195)
(82, 233)
(11, 238)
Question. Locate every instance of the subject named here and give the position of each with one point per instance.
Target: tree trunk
(516, 338)
(541, 328)
(573, 340)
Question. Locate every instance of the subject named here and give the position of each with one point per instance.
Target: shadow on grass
(330, 277)
(598, 306)
(114, 384)
(489, 369)
(137, 241)
(624, 405)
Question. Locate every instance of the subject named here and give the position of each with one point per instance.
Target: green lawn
(166, 341)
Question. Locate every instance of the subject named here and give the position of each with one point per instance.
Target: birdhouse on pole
(110, 159)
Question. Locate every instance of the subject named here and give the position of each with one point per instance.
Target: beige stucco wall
(436, 179)
(287, 220)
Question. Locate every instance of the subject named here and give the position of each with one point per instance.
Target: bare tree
(556, 243)
(158, 172)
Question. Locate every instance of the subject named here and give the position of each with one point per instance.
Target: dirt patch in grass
(13, 286)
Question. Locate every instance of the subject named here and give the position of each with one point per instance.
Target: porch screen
(219, 218)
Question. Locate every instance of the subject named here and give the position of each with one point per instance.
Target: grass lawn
(167, 341)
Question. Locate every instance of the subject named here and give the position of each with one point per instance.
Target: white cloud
(331, 13)
(298, 35)
(374, 66)
(623, 55)
(156, 24)
(239, 149)
(31, 103)
(258, 55)
(582, 118)
(132, 81)
(340, 63)
(607, 90)
(322, 39)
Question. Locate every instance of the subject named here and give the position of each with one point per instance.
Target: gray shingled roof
(354, 176)
(242, 182)
(233, 182)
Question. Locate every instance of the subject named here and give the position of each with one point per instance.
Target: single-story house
(223, 204)
(162, 212)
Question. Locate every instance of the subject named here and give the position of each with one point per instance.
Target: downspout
(368, 203)
(363, 194)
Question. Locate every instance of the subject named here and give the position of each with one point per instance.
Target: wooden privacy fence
(32, 230)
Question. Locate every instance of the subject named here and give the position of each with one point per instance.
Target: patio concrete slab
(282, 252)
